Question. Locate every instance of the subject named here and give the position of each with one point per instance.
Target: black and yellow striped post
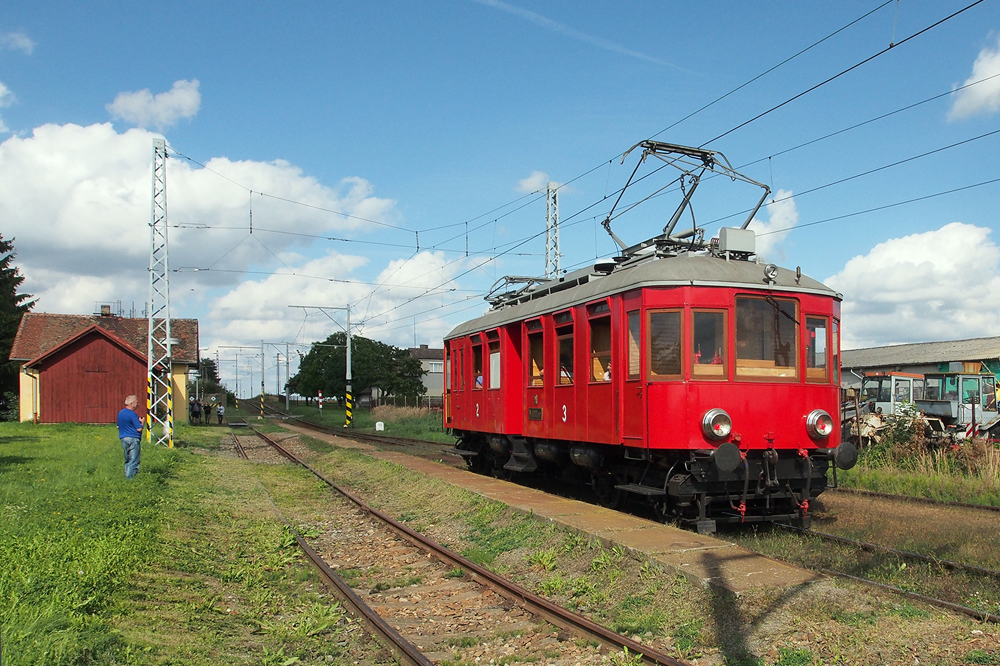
(170, 412)
(262, 403)
(149, 408)
(349, 403)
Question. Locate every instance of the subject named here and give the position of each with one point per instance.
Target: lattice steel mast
(552, 253)
(159, 382)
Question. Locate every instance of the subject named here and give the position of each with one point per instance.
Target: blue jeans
(130, 445)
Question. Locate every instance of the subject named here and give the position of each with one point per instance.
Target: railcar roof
(586, 285)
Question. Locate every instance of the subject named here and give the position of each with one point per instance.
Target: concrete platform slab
(707, 560)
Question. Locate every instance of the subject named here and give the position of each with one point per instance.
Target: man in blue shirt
(129, 432)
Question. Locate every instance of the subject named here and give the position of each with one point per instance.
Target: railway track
(969, 569)
(459, 596)
(964, 570)
(915, 500)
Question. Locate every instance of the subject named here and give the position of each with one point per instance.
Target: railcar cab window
(600, 342)
(835, 345)
(665, 344)
(766, 338)
(634, 340)
(816, 367)
(708, 352)
(459, 354)
(564, 341)
(493, 340)
(477, 362)
(536, 353)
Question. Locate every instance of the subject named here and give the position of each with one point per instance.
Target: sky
(393, 156)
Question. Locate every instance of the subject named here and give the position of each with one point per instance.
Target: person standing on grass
(129, 433)
(220, 411)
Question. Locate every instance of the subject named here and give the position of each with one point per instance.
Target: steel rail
(865, 545)
(919, 500)
(972, 612)
(406, 652)
(240, 451)
(404, 649)
(540, 606)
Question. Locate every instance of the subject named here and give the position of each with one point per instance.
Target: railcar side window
(564, 336)
(459, 368)
(664, 344)
(708, 345)
(634, 340)
(495, 365)
(477, 366)
(815, 349)
(835, 344)
(536, 359)
(766, 338)
(600, 349)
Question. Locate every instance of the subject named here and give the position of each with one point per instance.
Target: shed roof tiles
(40, 332)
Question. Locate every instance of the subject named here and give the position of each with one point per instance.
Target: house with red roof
(80, 368)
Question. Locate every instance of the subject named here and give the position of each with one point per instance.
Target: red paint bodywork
(645, 413)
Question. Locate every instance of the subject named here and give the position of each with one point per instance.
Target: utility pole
(349, 397)
(552, 253)
(159, 371)
(263, 360)
(288, 378)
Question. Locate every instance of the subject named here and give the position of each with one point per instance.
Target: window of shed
(634, 340)
(665, 344)
(477, 366)
(766, 338)
(600, 349)
(536, 359)
(708, 358)
(816, 349)
(494, 365)
(564, 335)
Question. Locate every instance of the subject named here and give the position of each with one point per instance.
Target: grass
(409, 422)
(907, 464)
(185, 564)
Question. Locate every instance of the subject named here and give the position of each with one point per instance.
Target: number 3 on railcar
(683, 374)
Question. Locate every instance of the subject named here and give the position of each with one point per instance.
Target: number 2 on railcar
(683, 374)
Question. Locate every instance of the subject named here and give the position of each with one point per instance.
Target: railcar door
(632, 393)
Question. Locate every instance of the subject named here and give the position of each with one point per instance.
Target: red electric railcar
(687, 375)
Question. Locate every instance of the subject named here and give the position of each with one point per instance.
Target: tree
(12, 307)
(375, 365)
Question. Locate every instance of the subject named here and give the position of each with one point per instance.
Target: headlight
(819, 424)
(716, 424)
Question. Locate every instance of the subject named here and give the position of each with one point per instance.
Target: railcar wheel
(604, 487)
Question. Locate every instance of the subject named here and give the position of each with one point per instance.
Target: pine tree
(12, 307)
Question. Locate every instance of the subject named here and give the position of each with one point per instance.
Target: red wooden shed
(86, 378)
(80, 368)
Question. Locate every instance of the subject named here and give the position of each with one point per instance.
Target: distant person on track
(220, 411)
(196, 414)
(129, 433)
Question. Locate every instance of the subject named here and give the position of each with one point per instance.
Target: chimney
(105, 310)
(423, 346)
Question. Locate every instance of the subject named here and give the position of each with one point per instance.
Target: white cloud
(937, 285)
(782, 216)
(17, 41)
(410, 294)
(77, 200)
(163, 110)
(983, 98)
(536, 182)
